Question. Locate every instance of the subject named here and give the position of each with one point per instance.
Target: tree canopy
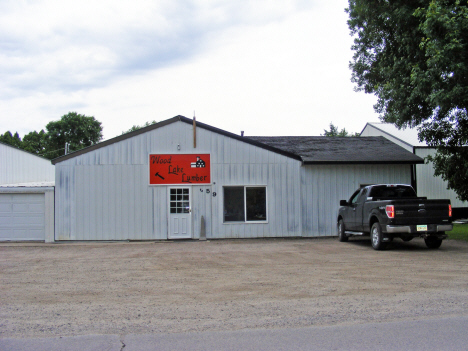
(334, 132)
(75, 129)
(11, 139)
(413, 55)
(78, 130)
(136, 127)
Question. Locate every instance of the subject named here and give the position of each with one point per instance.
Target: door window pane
(234, 204)
(180, 201)
(256, 204)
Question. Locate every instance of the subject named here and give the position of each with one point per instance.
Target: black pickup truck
(388, 211)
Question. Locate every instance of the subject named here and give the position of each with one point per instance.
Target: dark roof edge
(383, 131)
(364, 162)
(167, 122)
(28, 152)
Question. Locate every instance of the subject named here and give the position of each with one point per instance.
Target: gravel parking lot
(145, 287)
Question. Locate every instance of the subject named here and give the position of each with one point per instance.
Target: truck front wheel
(433, 242)
(341, 232)
(377, 237)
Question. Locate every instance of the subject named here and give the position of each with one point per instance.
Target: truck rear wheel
(433, 242)
(341, 231)
(377, 237)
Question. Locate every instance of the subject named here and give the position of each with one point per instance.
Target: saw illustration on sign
(179, 169)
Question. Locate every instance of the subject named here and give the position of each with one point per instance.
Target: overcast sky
(268, 67)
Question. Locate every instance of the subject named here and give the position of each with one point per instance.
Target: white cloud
(266, 67)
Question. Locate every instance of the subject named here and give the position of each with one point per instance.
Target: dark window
(392, 192)
(362, 197)
(354, 197)
(244, 204)
(234, 204)
(256, 204)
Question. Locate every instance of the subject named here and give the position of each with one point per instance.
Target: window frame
(245, 204)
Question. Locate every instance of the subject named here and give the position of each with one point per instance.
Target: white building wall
(18, 166)
(104, 194)
(323, 186)
(431, 186)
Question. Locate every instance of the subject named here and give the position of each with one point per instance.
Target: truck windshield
(393, 192)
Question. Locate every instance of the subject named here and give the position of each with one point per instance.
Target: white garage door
(22, 216)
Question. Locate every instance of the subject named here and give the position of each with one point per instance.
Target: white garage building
(26, 196)
(158, 182)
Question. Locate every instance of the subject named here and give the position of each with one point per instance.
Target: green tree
(35, 142)
(10, 139)
(78, 130)
(333, 132)
(136, 127)
(413, 55)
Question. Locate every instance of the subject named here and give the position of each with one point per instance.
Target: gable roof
(346, 150)
(27, 152)
(165, 123)
(325, 150)
(20, 166)
(407, 136)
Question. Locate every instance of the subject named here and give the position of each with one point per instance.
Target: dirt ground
(118, 288)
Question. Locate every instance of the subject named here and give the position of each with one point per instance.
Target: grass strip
(459, 232)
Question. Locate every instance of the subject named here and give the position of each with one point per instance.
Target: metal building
(19, 166)
(26, 196)
(426, 183)
(160, 181)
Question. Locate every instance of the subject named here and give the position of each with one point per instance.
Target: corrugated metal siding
(104, 194)
(323, 186)
(282, 181)
(431, 186)
(17, 166)
(202, 198)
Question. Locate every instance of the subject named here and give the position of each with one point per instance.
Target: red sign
(180, 169)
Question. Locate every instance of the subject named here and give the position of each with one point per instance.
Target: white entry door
(180, 213)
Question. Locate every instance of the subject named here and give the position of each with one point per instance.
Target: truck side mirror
(343, 203)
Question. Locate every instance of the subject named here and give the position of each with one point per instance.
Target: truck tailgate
(421, 211)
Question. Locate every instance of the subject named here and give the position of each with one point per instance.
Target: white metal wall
(323, 186)
(282, 180)
(104, 194)
(431, 186)
(18, 166)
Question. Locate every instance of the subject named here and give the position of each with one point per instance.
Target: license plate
(421, 228)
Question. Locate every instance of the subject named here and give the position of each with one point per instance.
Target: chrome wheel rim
(375, 237)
